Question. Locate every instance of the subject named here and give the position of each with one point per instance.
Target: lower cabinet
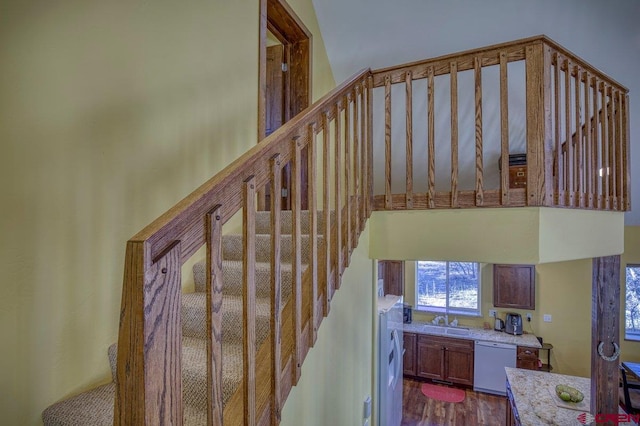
(409, 358)
(527, 358)
(444, 358)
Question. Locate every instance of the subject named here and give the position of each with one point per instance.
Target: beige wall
(563, 290)
(110, 113)
(337, 374)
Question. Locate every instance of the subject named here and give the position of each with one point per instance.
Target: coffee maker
(513, 324)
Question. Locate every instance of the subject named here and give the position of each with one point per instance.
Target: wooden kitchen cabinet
(392, 274)
(514, 286)
(443, 358)
(410, 341)
(527, 358)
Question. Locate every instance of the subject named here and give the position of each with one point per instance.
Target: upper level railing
(453, 123)
(334, 136)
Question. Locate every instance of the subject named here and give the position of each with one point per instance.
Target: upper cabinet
(514, 286)
(392, 274)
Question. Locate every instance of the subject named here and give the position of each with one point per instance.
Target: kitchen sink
(457, 331)
(434, 329)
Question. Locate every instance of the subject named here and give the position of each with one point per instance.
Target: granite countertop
(475, 333)
(535, 403)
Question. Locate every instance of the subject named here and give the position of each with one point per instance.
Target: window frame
(447, 309)
(634, 334)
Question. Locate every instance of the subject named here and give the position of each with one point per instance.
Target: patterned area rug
(442, 393)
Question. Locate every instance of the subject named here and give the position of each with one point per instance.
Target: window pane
(632, 303)
(431, 281)
(463, 285)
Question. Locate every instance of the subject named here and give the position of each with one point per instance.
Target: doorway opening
(284, 82)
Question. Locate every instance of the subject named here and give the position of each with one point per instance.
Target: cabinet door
(527, 358)
(514, 286)
(430, 360)
(409, 359)
(392, 274)
(459, 363)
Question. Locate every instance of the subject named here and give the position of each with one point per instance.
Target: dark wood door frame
(280, 19)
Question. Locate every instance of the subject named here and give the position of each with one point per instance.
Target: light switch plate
(492, 313)
(547, 318)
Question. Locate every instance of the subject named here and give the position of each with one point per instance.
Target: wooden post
(409, 141)
(326, 211)
(387, 143)
(477, 66)
(504, 131)
(214, 317)
(313, 231)
(249, 300)
(453, 66)
(149, 390)
(297, 260)
(276, 293)
(605, 314)
(431, 145)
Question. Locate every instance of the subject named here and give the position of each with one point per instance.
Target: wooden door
(409, 359)
(459, 364)
(430, 358)
(392, 274)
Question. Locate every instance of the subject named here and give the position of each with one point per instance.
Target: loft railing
(335, 135)
(447, 143)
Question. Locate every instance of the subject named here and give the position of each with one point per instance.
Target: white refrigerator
(390, 356)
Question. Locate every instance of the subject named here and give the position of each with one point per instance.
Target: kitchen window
(448, 287)
(632, 303)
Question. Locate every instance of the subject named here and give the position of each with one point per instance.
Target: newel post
(539, 140)
(149, 388)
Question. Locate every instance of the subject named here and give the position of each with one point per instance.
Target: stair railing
(149, 345)
(555, 94)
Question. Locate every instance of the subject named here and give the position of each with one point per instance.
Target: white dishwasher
(490, 359)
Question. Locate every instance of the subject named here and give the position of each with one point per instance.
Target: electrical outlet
(547, 318)
(529, 317)
(492, 313)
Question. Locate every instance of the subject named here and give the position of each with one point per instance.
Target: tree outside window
(448, 287)
(632, 303)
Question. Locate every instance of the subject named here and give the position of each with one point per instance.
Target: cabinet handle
(527, 352)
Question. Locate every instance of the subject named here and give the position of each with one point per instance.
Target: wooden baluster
(504, 130)
(296, 201)
(338, 198)
(619, 159)
(453, 66)
(477, 68)
(363, 154)
(276, 292)
(559, 184)
(150, 334)
(626, 159)
(569, 175)
(214, 317)
(313, 232)
(387, 143)
(431, 144)
(611, 141)
(369, 190)
(409, 141)
(597, 147)
(326, 211)
(356, 171)
(249, 300)
(578, 141)
(589, 170)
(605, 147)
(347, 175)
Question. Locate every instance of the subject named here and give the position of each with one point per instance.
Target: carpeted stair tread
(232, 278)
(263, 222)
(232, 247)
(194, 318)
(94, 407)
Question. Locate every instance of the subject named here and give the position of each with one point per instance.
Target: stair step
(95, 407)
(263, 222)
(232, 278)
(194, 318)
(232, 247)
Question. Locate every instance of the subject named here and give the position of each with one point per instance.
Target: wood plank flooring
(477, 408)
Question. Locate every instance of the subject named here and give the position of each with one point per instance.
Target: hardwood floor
(477, 408)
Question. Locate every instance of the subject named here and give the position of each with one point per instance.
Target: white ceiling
(377, 33)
